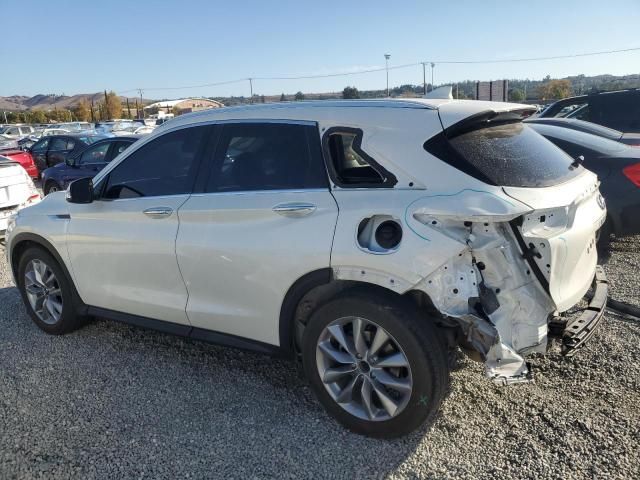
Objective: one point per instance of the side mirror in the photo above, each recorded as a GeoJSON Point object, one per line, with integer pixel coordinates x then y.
{"type": "Point", "coordinates": [80, 191]}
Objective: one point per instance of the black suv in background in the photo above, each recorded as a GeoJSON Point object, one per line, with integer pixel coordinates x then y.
{"type": "Point", "coordinates": [54, 149]}
{"type": "Point", "coordinates": [619, 110]}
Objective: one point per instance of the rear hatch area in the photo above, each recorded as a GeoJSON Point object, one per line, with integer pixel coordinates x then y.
{"type": "Point", "coordinates": [559, 235]}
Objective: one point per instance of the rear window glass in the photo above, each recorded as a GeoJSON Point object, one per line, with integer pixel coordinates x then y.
{"type": "Point", "coordinates": [513, 155]}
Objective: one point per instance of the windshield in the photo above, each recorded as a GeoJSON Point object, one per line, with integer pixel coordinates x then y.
{"type": "Point", "coordinates": [513, 155]}
{"type": "Point", "coordinates": [598, 144]}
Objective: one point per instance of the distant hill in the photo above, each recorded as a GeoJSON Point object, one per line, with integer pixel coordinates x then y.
{"type": "Point", "coordinates": [49, 102]}
{"type": "Point", "coordinates": [579, 84]}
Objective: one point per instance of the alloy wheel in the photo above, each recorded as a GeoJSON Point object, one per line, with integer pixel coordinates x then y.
{"type": "Point", "coordinates": [364, 368]}
{"type": "Point", "coordinates": [43, 291]}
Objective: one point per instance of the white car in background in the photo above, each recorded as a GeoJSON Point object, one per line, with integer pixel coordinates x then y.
{"type": "Point", "coordinates": [16, 190]}
{"type": "Point", "coordinates": [366, 239]}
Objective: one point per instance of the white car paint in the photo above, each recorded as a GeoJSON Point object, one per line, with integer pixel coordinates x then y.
{"type": "Point", "coordinates": [224, 262]}
{"type": "Point", "coordinates": [17, 190]}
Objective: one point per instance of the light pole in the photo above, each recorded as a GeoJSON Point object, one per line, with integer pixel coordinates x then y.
{"type": "Point", "coordinates": [424, 78]}
{"type": "Point", "coordinates": [386, 61]}
{"type": "Point", "coordinates": [432, 65]}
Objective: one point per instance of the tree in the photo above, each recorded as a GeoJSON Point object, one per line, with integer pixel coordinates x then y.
{"type": "Point", "coordinates": [38, 116]}
{"type": "Point", "coordinates": [83, 111]}
{"type": "Point", "coordinates": [555, 89]}
{"type": "Point", "coordinates": [262, 99]}
{"type": "Point", "coordinates": [176, 111]}
{"type": "Point", "coordinates": [350, 92]}
{"type": "Point", "coordinates": [516, 95]}
{"type": "Point", "coordinates": [299, 96]}
{"type": "Point", "coordinates": [283, 98]}
{"type": "Point", "coordinates": [111, 107]}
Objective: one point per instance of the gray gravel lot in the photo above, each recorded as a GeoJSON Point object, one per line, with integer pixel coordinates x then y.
{"type": "Point", "coordinates": [112, 401]}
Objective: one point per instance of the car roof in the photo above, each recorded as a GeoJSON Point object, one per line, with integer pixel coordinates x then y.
{"type": "Point", "coordinates": [580, 125]}
{"type": "Point", "coordinates": [451, 111]}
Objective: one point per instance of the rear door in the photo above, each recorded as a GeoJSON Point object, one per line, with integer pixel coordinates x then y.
{"type": "Point", "coordinates": [263, 219]}
{"type": "Point", "coordinates": [39, 153]}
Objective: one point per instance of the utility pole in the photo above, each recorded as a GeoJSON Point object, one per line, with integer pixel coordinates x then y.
{"type": "Point", "coordinates": [386, 61]}
{"type": "Point", "coordinates": [432, 65]}
{"type": "Point", "coordinates": [251, 89]}
{"type": "Point", "coordinates": [141, 105]}
{"type": "Point", "coordinates": [424, 78]}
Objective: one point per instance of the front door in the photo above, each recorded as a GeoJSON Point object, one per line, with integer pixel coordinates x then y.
{"type": "Point", "coordinates": [122, 245]}
{"type": "Point", "coordinates": [264, 219]}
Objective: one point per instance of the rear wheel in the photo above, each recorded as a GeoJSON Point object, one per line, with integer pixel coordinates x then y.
{"type": "Point", "coordinates": [47, 292]}
{"type": "Point", "coordinates": [375, 364]}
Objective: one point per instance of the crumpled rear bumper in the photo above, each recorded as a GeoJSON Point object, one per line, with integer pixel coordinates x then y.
{"type": "Point", "coordinates": [580, 329]}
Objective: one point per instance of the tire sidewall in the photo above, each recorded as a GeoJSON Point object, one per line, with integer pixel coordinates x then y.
{"type": "Point", "coordinates": [68, 313]}
{"type": "Point", "coordinates": [425, 398]}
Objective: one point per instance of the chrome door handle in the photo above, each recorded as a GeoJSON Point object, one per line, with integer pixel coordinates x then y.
{"type": "Point", "coordinates": [158, 212]}
{"type": "Point", "coordinates": [294, 209]}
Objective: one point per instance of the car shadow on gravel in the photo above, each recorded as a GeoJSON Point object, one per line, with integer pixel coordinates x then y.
{"type": "Point", "coordinates": [115, 400]}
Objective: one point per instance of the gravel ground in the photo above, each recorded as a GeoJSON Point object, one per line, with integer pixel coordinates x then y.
{"type": "Point", "coordinates": [112, 401]}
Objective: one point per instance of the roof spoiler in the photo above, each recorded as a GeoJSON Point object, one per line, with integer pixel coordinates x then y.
{"type": "Point", "coordinates": [487, 118]}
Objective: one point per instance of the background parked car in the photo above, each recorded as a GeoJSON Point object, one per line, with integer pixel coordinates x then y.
{"type": "Point", "coordinates": [85, 163]}
{"type": "Point", "coordinates": [619, 109]}
{"type": "Point", "coordinates": [618, 168]}
{"type": "Point", "coordinates": [589, 127]}
{"type": "Point", "coordinates": [7, 142]}
{"type": "Point", "coordinates": [23, 158]}
{"type": "Point", "coordinates": [50, 151]}
{"type": "Point", "coordinates": [18, 190]}
{"type": "Point", "coordinates": [17, 131]}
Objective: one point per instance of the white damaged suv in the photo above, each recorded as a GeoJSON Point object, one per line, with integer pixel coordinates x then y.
{"type": "Point", "coordinates": [366, 239]}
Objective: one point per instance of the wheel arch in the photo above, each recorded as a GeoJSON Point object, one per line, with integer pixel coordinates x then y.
{"type": "Point", "coordinates": [23, 241]}
{"type": "Point", "coordinates": [320, 286]}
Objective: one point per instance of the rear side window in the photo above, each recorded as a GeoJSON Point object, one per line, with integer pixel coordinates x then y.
{"type": "Point", "coordinates": [350, 165]}
{"type": "Point", "coordinates": [507, 154]}
{"type": "Point", "coordinates": [59, 144]}
{"type": "Point", "coordinates": [267, 156]}
{"type": "Point", "coordinates": [164, 166]}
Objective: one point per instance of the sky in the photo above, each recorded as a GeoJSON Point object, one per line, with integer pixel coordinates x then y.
{"type": "Point", "coordinates": [73, 46]}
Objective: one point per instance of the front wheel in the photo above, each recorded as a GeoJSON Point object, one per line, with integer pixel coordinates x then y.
{"type": "Point", "coordinates": [47, 292]}
{"type": "Point", "coordinates": [375, 364]}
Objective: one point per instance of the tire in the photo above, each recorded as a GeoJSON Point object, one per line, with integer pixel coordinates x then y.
{"type": "Point", "coordinates": [69, 318]}
{"type": "Point", "coordinates": [603, 242]}
{"type": "Point", "coordinates": [410, 334]}
{"type": "Point", "coordinates": [51, 187]}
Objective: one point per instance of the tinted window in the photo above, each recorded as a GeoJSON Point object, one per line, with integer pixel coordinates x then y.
{"type": "Point", "coordinates": [97, 154]}
{"type": "Point", "coordinates": [118, 148]}
{"type": "Point", "coordinates": [512, 154]}
{"type": "Point", "coordinates": [41, 146]}
{"type": "Point", "coordinates": [596, 143]}
{"type": "Point", "coordinates": [267, 157]}
{"type": "Point", "coordinates": [165, 166]}
{"type": "Point", "coordinates": [58, 144]}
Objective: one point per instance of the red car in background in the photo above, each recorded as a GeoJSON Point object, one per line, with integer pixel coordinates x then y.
{"type": "Point", "coordinates": [23, 158]}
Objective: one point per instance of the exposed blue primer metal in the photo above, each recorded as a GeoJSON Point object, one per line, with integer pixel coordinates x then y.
{"type": "Point", "coordinates": [406, 212]}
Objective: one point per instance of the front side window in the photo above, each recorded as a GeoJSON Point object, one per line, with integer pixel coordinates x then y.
{"type": "Point", "coordinates": [97, 154]}
{"type": "Point", "coordinates": [164, 166]}
{"type": "Point", "coordinates": [41, 146]}
{"type": "Point", "coordinates": [267, 157]}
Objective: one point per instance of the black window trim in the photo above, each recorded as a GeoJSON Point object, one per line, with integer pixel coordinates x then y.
{"type": "Point", "coordinates": [209, 167]}
{"type": "Point", "coordinates": [389, 180]}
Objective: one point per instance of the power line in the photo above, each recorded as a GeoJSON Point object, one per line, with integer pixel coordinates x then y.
{"type": "Point", "coordinates": [393, 67]}
{"type": "Point", "coordinates": [533, 59]}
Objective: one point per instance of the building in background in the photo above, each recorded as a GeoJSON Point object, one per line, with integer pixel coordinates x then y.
{"type": "Point", "coordinates": [180, 106]}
